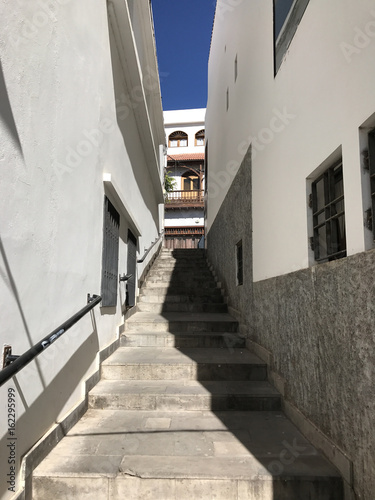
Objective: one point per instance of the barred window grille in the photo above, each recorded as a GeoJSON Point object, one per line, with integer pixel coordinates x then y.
{"type": "Point", "coordinates": [329, 239]}
{"type": "Point", "coordinates": [111, 229]}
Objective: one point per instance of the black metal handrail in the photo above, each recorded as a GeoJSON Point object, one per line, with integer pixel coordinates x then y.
{"type": "Point", "coordinates": [19, 362]}
{"type": "Point", "coordinates": [139, 261]}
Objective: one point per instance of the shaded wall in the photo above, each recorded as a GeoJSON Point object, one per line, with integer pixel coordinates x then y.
{"type": "Point", "coordinates": [318, 323]}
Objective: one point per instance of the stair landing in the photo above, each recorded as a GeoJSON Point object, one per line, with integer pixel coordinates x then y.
{"type": "Point", "coordinates": [157, 455]}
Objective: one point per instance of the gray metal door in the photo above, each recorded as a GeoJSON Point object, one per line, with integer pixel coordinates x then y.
{"type": "Point", "coordinates": [131, 269]}
{"type": "Point", "coordinates": [111, 227]}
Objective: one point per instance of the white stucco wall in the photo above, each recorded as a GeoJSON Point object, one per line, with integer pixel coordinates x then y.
{"type": "Point", "coordinates": [189, 121]}
{"type": "Point", "coordinates": [63, 146]}
{"type": "Point", "coordinates": [320, 98]}
{"type": "Point", "coordinates": [185, 217]}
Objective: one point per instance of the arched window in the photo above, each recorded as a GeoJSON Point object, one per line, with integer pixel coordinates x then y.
{"type": "Point", "coordinates": [190, 181]}
{"type": "Point", "coordinates": [178, 139]}
{"type": "Point", "coordinates": [199, 138]}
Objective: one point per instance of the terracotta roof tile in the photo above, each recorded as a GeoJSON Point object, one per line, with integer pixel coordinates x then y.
{"type": "Point", "coordinates": [186, 157]}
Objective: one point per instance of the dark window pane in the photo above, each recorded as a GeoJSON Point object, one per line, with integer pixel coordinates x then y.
{"type": "Point", "coordinates": [239, 263]}
{"type": "Point", "coordinates": [321, 218]}
{"type": "Point", "coordinates": [339, 207]}
{"type": "Point", "coordinates": [371, 159]}
{"type": "Point", "coordinates": [341, 237]}
{"type": "Point", "coordinates": [320, 195]}
{"type": "Point", "coordinates": [282, 8]}
{"type": "Point", "coordinates": [339, 186]}
{"type": "Point", "coordinates": [322, 243]}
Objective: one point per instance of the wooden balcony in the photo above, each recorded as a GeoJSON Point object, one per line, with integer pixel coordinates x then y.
{"type": "Point", "coordinates": [184, 231]}
{"type": "Point", "coordinates": [184, 199]}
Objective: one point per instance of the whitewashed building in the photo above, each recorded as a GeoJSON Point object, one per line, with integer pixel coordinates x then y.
{"type": "Point", "coordinates": [290, 131]}
{"type": "Point", "coordinates": [81, 199]}
{"type": "Point", "coordinates": [184, 207]}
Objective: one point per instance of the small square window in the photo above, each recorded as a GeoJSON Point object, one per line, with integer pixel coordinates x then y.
{"type": "Point", "coordinates": [329, 240]}
{"type": "Point", "coordinates": [371, 166]}
{"type": "Point", "coordinates": [239, 263]}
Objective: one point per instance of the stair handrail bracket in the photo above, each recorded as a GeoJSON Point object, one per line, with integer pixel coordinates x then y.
{"type": "Point", "coordinates": [17, 363]}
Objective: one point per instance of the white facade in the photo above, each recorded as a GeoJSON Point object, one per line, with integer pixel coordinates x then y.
{"type": "Point", "coordinates": [191, 122]}
{"type": "Point", "coordinates": [81, 118]}
{"type": "Point", "coordinates": [188, 218]}
{"type": "Point", "coordinates": [319, 106]}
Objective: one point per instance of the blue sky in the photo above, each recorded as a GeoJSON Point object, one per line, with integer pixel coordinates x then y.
{"type": "Point", "coordinates": [183, 34]}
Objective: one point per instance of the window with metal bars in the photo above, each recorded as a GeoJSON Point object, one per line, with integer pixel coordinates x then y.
{"type": "Point", "coordinates": [329, 240]}
{"type": "Point", "coordinates": [111, 229]}
{"type": "Point", "coordinates": [371, 165]}
{"type": "Point", "coordinates": [239, 263]}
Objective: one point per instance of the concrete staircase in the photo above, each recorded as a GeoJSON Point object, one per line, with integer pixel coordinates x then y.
{"type": "Point", "coordinates": [183, 410]}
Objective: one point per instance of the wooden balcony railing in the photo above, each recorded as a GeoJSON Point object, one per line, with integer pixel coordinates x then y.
{"type": "Point", "coordinates": [184, 231]}
{"type": "Point", "coordinates": [185, 198]}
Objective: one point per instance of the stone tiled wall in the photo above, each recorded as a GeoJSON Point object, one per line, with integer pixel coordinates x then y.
{"type": "Point", "coordinates": [234, 223]}
{"type": "Point", "coordinates": [319, 325]}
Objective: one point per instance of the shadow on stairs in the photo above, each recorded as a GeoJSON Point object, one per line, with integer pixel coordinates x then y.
{"type": "Point", "coordinates": [184, 410]}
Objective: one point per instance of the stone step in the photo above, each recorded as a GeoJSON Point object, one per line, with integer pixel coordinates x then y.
{"type": "Point", "coordinates": [191, 284]}
{"type": "Point", "coordinates": [165, 363]}
{"type": "Point", "coordinates": [183, 256]}
{"type": "Point", "coordinates": [179, 274]}
{"type": "Point", "coordinates": [181, 322]}
{"type": "Point", "coordinates": [177, 264]}
{"type": "Point", "coordinates": [181, 263]}
{"type": "Point", "coordinates": [181, 291]}
{"type": "Point", "coordinates": [210, 298]}
{"type": "Point", "coordinates": [192, 340]}
{"type": "Point", "coordinates": [171, 395]}
{"type": "Point", "coordinates": [177, 281]}
{"type": "Point", "coordinates": [185, 455]}
{"type": "Point", "coordinates": [183, 251]}
{"type": "Point", "coordinates": [182, 307]}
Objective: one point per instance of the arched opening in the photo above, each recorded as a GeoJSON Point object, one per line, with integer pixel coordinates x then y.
{"type": "Point", "coordinates": [199, 138]}
{"type": "Point", "coordinates": [178, 139]}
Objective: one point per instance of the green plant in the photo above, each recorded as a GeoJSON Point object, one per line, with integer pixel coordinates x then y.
{"type": "Point", "coordinates": [169, 182]}
{"type": "Point", "coordinates": [169, 185]}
